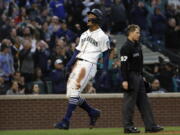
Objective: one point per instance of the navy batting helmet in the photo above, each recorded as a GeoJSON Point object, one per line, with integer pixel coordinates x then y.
{"type": "Point", "coordinates": [97, 13]}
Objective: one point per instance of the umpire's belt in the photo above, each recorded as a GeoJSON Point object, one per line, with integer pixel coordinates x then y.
{"type": "Point", "coordinates": [85, 60]}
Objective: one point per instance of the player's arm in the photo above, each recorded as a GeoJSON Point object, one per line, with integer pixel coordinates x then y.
{"type": "Point", "coordinates": [105, 60]}
{"type": "Point", "coordinates": [105, 63]}
{"type": "Point", "coordinates": [72, 60]}
{"type": "Point", "coordinates": [76, 52]}
{"type": "Point", "coordinates": [105, 46]}
{"type": "Point", "coordinates": [124, 66]}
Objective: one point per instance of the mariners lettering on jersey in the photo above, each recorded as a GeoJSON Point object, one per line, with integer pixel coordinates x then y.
{"type": "Point", "coordinates": [92, 44]}
{"type": "Point", "coordinates": [91, 40]}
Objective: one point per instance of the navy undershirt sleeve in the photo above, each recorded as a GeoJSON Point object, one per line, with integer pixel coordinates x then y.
{"type": "Point", "coordinates": [73, 58]}
{"type": "Point", "coordinates": [105, 60]}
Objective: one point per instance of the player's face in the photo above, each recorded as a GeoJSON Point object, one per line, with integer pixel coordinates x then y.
{"type": "Point", "coordinates": [136, 35]}
{"type": "Point", "coordinates": [90, 18]}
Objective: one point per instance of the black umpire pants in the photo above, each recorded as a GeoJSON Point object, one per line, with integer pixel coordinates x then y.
{"type": "Point", "coordinates": [136, 95]}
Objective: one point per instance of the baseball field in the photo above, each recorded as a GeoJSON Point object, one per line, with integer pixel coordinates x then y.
{"type": "Point", "coordinates": [85, 131]}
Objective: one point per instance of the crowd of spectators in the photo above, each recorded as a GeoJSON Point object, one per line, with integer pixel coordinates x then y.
{"type": "Point", "coordinates": [38, 37]}
{"type": "Point", "coordinates": [168, 76]}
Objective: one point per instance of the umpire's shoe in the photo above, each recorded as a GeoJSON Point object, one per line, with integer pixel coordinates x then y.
{"type": "Point", "coordinates": [131, 130]}
{"type": "Point", "coordinates": [94, 115]}
{"type": "Point", "coordinates": [154, 129]}
{"type": "Point", "coordinates": [62, 125]}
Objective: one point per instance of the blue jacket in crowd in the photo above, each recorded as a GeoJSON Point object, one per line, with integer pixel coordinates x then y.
{"type": "Point", "coordinates": [139, 17]}
{"type": "Point", "coordinates": [58, 9]}
{"type": "Point", "coordinates": [58, 81]}
{"type": "Point", "coordinates": [6, 65]}
{"type": "Point", "coordinates": [68, 34]}
{"type": "Point", "coordinates": [159, 24]}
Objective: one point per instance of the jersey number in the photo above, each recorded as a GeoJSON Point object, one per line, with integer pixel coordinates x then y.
{"type": "Point", "coordinates": [124, 58]}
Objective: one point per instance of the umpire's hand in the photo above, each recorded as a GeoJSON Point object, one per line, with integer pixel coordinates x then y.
{"type": "Point", "coordinates": [125, 85]}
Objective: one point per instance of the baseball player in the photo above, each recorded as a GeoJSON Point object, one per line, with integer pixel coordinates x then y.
{"type": "Point", "coordinates": [92, 43]}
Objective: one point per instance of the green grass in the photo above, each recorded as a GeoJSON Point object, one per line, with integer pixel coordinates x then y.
{"type": "Point", "coordinates": [95, 131]}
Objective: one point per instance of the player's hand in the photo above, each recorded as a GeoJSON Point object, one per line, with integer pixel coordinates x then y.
{"type": "Point", "coordinates": [78, 86]}
{"type": "Point", "coordinates": [125, 85]}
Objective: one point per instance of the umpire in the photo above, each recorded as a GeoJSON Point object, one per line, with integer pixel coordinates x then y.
{"type": "Point", "coordinates": [133, 84]}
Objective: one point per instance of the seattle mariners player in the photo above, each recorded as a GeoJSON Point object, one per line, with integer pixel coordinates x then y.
{"type": "Point", "coordinates": [92, 43]}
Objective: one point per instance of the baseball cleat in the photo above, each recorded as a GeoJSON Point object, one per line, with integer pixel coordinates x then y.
{"type": "Point", "coordinates": [62, 125]}
{"type": "Point", "coordinates": [94, 117]}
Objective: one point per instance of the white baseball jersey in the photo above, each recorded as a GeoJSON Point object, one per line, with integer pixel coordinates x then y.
{"type": "Point", "coordinates": [92, 44]}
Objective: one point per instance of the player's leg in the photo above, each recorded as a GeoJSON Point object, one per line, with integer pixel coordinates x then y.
{"type": "Point", "coordinates": [93, 113]}
{"type": "Point", "coordinates": [64, 124]}
{"type": "Point", "coordinates": [83, 72]}
{"type": "Point", "coordinates": [76, 83]}
{"type": "Point", "coordinates": [73, 101]}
